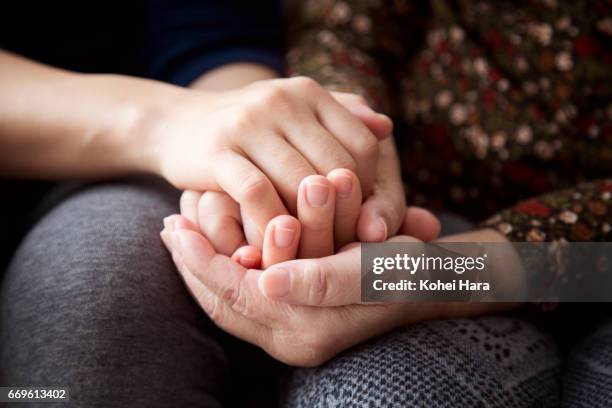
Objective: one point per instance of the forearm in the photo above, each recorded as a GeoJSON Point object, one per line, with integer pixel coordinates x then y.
{"type": "Point", "coordinates": [483, 235]}
{"type": "Point", "coordinates": [503, 271]}
{"type": "Point", "coordinates": [56, 124]}
{"type": "Point", "coordinates": [233, 76]}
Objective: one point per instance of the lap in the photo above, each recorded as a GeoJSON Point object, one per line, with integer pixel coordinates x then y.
{"type": "Point", "coordinates": [587, 381]}
{"type": "Point", "coordinates": [92, 301]}
{"type": "Point", "coordinates": [488, 361]}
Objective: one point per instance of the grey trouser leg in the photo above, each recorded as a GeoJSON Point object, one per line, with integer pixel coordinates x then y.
{"type": "Point", "coordinates": [483, 362]}
{"type": "Point", "coordinates": [93, 302]}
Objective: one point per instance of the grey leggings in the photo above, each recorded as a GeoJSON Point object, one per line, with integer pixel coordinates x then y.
{"type": "Point", "coordinates": [92, 301]}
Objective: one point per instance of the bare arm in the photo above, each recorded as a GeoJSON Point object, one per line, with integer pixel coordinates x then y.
{"type": "Point", "coordinates": [56, 124]}
{"type": "Point", "coordinates": [233, 76]}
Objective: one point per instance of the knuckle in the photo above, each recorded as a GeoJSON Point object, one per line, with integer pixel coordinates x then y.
{"type": "Point", "coordinates": [273, 95]}
{"type": "Point", "coordinates": [253, 187]}
{"type": "Point", "coordinates": [346, 162]}
{"type": "Point", "coordinates": [306, 83]}
{"type": "Point", "coordinates": [366, 146]}
{"type": "Point", "coordinates": [238, 302]}
{"type": "Point", "coordinates": [244, 118]}
{"type": "Point", "coordinates": [235, 297]}
{"type": "Point", "coordinates": [228, 295]}
{"type": "Point", "coordinates": [346, 214]}
{"type": "Point", "coordinates": [294, 172]}
{"type": "Point", "coordinates": [285, 158]}
{"type": "Point", "coordinates": [392, 213]}
{"type": "Point", "coordinates": [317, 225]}
{"type": "Point", "coordinates": [359, 99]}
{"type": "Point", "coordinates": [278, 98]}
{"type": "Point", "coordinates": [209, 200]}
{"type": "Point", "coordinates": [390, 199]}
{"type": "Point", "coordinates": [314, 275]}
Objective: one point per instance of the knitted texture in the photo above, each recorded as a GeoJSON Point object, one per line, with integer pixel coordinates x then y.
{"type": "Point", "coordinates": [484, 362]}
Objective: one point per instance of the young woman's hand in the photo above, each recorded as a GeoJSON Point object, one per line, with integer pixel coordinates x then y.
{"type": "Point", "coordinates": [259, 142]}
{"type": "Point", "coordinates": [256, 142]}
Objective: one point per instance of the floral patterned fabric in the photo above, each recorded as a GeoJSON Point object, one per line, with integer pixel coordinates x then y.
{"type": "Point", "coordinates": [503, 108]}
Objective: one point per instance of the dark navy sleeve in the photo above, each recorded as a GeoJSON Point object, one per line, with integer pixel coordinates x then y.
{"type": "Point", "coordinates": [186, 38]}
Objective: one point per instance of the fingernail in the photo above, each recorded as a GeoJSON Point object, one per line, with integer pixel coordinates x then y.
{"type": "Point", "coordinates": [283, 237]}
{"type": "Point", "coordinates": [248, 262]}
{"type": "Point", "coordinates": [383, 225]}
{"type": "Point", "coordinates": [317, 194]}
{"type": "Point", "coordinates": [344, 186]}
{"type": "Point", "coordinates": [275, 283]}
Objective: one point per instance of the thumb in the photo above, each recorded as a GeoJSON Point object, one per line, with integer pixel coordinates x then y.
{"type": "Point", "coordinates": [421, 224]}
{"type": "Point", "coordinates": [330, 281]}
{"type": "Point", "coordinates": [382, 213]}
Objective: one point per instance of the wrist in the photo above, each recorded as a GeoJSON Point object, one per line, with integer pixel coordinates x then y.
{"type": "Point", "coordinates": [140, 122]}
{"type": "Point", "coordinates": [478, 235]}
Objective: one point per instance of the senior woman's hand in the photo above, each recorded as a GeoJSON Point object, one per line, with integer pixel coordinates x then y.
{"type": "Point", "coordinates": [294, 334]}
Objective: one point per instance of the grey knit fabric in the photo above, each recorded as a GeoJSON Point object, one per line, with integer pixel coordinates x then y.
{"type": "Point", "coordinates": [588, 373]}
{"type": "Point", "coordinates": [484, 362]}
{"type": "Point", "coordinates": [92, 302]}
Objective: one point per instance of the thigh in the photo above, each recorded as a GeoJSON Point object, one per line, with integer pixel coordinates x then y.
{"type": "Point", "coordinates": [488, 361]}
{"type": "Point", "coordinates": [587, 381]}
{"type": "Point", "coordinates": [92, 301]}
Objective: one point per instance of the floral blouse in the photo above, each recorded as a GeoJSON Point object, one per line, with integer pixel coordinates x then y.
{"type": "Point", "coordinates": [503, 110]}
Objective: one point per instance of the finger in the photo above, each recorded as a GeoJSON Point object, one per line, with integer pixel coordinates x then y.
{"type": "Point", "coordinates": [356, 138]}
{"type": "Point", "coordinates": [175, 221]}
{"type": "Point", "coordinates": [281, 240]}
{"type": "Point", "coordinates": [171, 224]}
{"type": "Point", "coordinates": [380, 125]}
{"type": "Point", "coordinates": [348, 204]}
{"type": "Point", "coordinates": [233, 284]}
{"type": "Point", "coordinates": [252, 234]}
{"type": "Point", "coordinates": [383, 212]}
{"type": "Point", "coordinates": [330, 281]}
{"type": "Point", "coordinates": [189, 205]}
{"type": "Point", "coordinates": [316, 204]}
{"type": "Point", "coordinates": [247, 185]}
{"type": "Point", "coordinates": [220, 222]}
{"type": "Point", "coordinates": [321, 148]}
{"type": "Point", "coordinates": [223, 315]}
{"type": "Point", "coordinates": [285, 166]}
{"type": "Point", "coordinates": [325, 282]}
{"type": "Point", "coordinates": [248, 256]}
{"type": "Point", "coordinates": [421, 224]}
{"type": "Point", "coordinates": [215, 306]}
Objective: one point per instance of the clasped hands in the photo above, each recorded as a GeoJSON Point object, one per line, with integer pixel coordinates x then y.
{"type": "Point", "coordinates": [292, 287]}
